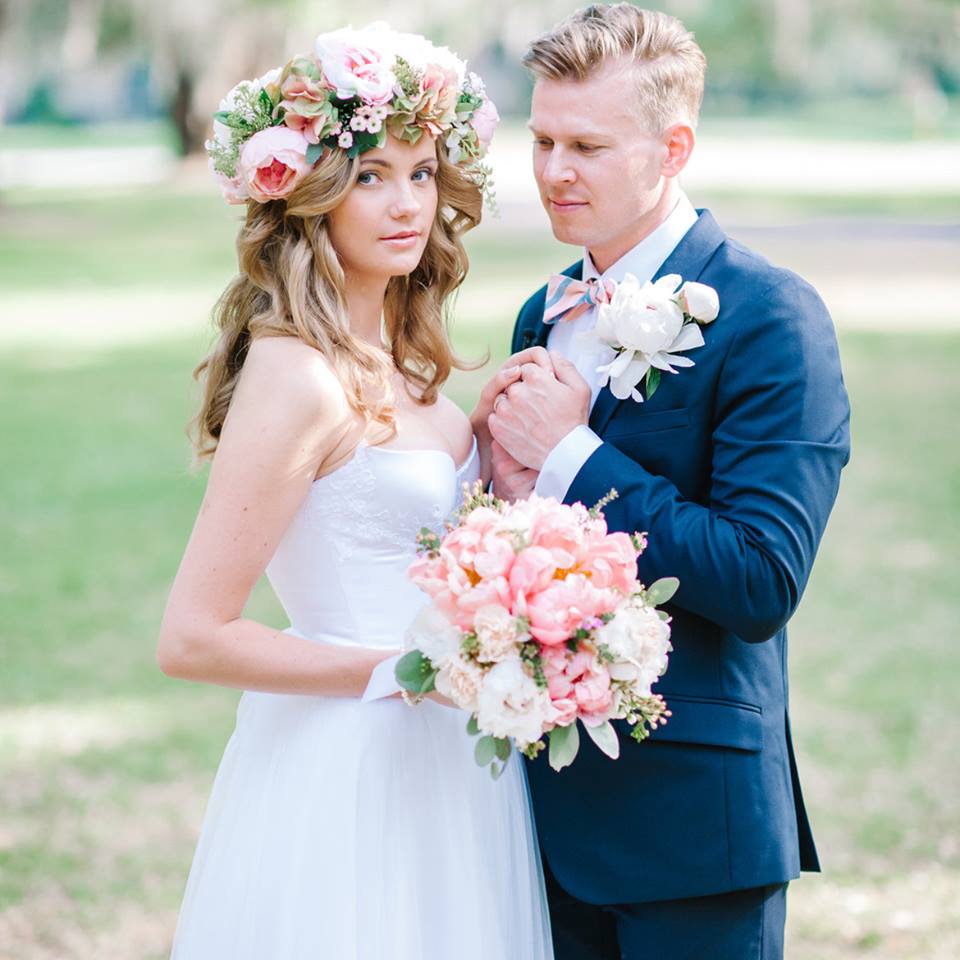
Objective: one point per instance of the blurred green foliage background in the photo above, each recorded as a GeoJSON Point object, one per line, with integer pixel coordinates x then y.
{"type": "Point", "coordinates": [829, 143]}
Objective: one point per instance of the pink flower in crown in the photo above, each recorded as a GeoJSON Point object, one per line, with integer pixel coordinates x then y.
{"type": "Point", "coordinates": [437, 104]}
{"type": "Point", "coordinates": [611, 561]}
{"type": "Point", "coordinates": [306, 100]}
{"type": "Point", "coordinates": [557, 612]}
{"type": "Point", "coordinates": [354, 67]}
{"type": "Point", "coordinates": [484, 121]}
{"type": "Point", "coordinates": [272, 162]}
{"type": "Point", "coordinates": [232, 189]}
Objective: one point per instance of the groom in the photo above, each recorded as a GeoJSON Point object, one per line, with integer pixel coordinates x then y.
{"type": "Point", "coordinates": [682, 848]}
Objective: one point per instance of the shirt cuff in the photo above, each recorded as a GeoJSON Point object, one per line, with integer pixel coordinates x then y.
{"type": "Point", "coordinates": [565, 461]}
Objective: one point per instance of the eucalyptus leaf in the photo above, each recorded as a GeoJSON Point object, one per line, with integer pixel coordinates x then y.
{"type": "Point", "coordinates": [485, 750]}
{"type": "Point", "coordinates": [605, 737]}
{"type": "Point", "coordinates": [314, 152]}
{"type": "Point", "coordinates": [503, 749]}
{"type": "Point", "coordinates": [415, 672]}
{"type": "Point", "coordinates": [660, 591]}
{"type": "Point", "coordinates": [473, 728]}
{"type": "Point", "coordinates": [564, 744]}
{"type": "Point", "coordinates": [653, 381]}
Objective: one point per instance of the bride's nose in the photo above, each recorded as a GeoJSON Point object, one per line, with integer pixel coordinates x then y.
{"type": "Point", "coordinates": [405, 203]}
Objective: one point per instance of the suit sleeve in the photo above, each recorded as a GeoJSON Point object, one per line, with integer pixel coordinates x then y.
{"type": "Point", "coordinates": [779, 441]}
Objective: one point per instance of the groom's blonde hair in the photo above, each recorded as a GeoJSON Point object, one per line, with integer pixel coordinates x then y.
{"type": "Point", "coordinates": [670, 65]}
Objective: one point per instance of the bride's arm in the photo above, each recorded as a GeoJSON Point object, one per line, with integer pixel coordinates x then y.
{"type": "Point", "coordinates": [286, 416]}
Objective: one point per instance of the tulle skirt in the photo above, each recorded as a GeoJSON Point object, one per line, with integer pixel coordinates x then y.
{"type": "Point", "coordinates": [362, 831]}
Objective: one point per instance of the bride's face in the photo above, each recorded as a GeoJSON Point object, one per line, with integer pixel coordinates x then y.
{"type": "Point", "coordinates": [381, 228]}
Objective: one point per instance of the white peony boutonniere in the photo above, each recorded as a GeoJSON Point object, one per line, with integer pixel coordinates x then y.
{"type": "Point", "coordinates": [646, 326]}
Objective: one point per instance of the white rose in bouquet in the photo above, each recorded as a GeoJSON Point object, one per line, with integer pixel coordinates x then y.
{"type": "Point", "coordinates": [640, 641]}
{"type": "Point", "coordinates": [432, 633]}
{"type": "Point", "coordinates": [459, 680]}
{"type": "Point", "coordinates": [496, 631]}
{"type": "Point", "coordinates": [511, 704]}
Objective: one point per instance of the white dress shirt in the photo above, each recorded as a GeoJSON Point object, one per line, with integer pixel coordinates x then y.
{"type": "Point", "coordinates": [566, 459]}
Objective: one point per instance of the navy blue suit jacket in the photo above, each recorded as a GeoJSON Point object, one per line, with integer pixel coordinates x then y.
{"type": "Point", "coordinates": [732, 467]}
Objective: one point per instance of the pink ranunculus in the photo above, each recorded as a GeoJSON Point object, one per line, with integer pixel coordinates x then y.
{"type": "Point", "coordinates": [564, 711]}
{"type": "Point", "coordinates": [469, 601]}
{"type": "Point", "coordinates": [592, 693]}
{"type": "Point", "coordinates": [611, 561]}
{"type": "Point", "coordinates": [555, 528]}
{"type": "Point", "coordinates": [429, 574]}
{"type": "Point", "coordinates": [532, 570]}
{"type": "Point", "coordinates": [494, 556]}
{"type": "Point", "coordinates": [272, 162]}
{"type": "Point", "coordinates": [556, 613]}
{"type": "Point", "coordinates": [484, 121]}
{"type": "Point", "coordinates": [462, 545]}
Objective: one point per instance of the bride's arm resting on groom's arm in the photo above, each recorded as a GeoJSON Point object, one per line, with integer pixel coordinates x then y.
{"type": "Point", "coordinates": [288, 417]}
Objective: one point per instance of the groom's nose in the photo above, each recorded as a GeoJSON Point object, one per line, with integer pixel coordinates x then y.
{"type": "Point", "coordinates": [557, 168]}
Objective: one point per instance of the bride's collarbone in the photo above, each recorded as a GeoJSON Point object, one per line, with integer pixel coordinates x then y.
{"type": "Point", "coordinates": [440, 426]}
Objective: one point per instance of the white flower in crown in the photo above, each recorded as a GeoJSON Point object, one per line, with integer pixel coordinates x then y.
{"type": "Point", "coordinates": [647, 326]}
{"type": "Point", "coordinates": [358, 63]}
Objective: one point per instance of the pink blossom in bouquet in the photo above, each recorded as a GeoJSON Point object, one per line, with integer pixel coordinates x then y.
{"type": "Point", "coordinates": [556, 613]}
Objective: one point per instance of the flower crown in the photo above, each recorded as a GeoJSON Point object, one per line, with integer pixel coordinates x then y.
{"type": "Point", "coordinates": [357, 86]}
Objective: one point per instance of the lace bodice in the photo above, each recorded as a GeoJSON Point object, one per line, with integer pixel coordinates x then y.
{"type": "Point", "coordinates": [340, 569]}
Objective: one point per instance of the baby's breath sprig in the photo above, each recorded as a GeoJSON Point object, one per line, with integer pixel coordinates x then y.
{"type": "Point", "coordinates": [597, 508]}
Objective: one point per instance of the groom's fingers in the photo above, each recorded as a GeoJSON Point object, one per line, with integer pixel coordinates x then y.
{"type": "Point", "coordinates": [537, 355]}
{"type": "Point", "coordinates": [568, 374]}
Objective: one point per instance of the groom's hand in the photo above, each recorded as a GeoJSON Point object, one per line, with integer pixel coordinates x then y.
{"type": "Point", "coordinates": [535, 413]}
{"type": "Point", "coordinates": [511, 480]}
{"type": "Point", "coordinates": [508, 374]}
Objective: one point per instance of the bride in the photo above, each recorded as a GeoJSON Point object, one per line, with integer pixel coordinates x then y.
{"type": "Point", "coordinates": [342, 826]}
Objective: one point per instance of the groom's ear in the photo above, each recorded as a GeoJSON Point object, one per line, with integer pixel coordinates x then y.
{"type": "Point", "coordinates": [679, 141]}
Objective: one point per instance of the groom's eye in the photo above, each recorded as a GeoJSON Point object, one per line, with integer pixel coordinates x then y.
{"type": "Point", "coordinates": [587, 148]}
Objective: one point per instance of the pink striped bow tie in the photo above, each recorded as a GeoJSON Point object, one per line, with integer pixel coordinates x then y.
{"type": "Point", "coordinates": [568, 298]}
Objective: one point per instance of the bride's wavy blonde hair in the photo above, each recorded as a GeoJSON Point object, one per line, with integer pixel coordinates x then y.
{"type": "Point", "coordinates": [291, 283]}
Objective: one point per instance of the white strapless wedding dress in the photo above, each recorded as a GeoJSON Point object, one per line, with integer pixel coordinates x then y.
{"type": "Point", "coordinates": [344, 830]}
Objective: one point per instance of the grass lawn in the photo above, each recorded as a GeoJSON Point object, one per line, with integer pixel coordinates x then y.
{"type": "Point", "coordinates": [105, 764]}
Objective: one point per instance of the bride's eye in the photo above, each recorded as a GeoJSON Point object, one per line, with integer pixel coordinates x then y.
{"type": "Point", "coordinates": [363, 178]}
{"type": "Point", "coordinates": [428, 174]}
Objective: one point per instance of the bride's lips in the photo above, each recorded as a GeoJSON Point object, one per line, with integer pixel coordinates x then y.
{"type": "Point", "coordinates": [561, 205]}
{"type": "Point", "coordinates": [402, 239]}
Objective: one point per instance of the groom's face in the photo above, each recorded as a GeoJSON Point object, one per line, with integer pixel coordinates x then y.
{"type": "Point", "coordinates": [599, 171]}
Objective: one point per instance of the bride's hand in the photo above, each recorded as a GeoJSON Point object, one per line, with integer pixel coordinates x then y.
{"type": "Point", "coordinates": [508, 374]}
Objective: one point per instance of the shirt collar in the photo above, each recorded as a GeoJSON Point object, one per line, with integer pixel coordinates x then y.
{"type": "Point", "coordinates": [646, 258]}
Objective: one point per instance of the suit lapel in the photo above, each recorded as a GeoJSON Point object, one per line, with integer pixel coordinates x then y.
{"type": "Point", "coordinates": [689, 258]}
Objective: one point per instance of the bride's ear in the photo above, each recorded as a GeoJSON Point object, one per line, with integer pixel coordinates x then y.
{"type": "Point", "coordinates": [679, 141]}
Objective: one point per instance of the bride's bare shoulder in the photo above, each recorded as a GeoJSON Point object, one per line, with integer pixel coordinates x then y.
{"type": "Point", "coordinates": [287, 371]}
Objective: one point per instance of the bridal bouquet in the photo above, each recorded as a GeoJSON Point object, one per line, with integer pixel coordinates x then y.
{"type": "Point", "coordinates": [537, 620]}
